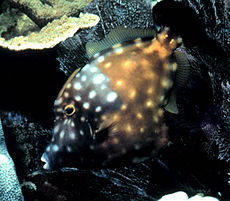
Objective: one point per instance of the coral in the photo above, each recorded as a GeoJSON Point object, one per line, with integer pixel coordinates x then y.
{"type": "Point", "coordinates": [15, 23]}
{"type": "Point", "coordinates": [42, 12]}
{"type": "Point", "coordinates": [52, 34]}
{"type": "Point", "coordinates": [181, 196]}
{"type": "Point", "coordinates": [10, 189]}
{"type": "Point", "coordinates": [19, 32]}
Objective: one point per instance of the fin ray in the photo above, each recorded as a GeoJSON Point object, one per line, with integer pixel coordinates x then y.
{"type": "Point", "coordinates": [116, 36]}
{"type": "Point", "coordinates": [181, 78]}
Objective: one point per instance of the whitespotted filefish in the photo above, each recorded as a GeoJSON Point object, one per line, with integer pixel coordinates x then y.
{"type": "Point", "coordinates": [111, 110]}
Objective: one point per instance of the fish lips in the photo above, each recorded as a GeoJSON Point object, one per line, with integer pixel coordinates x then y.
{"type": "Point", "coordinates": [86, 159]}
{"type": "Point", "coordinates": [81, 152]}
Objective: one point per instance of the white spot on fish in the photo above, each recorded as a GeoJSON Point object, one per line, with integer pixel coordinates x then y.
{"type": "Point", "coordinates": [58, 101]}
{"type": "Point", "coordinates": [66, 94]}
{"type": "Point", "coordinates": [96, 55]}
{"type": "Point", "coordinates": [92, 94]}
{"type": "Point", "coordinates": [84, 68]}
{"type": "Point", "coordinates": [119, 50]}
{"type": "Point", "coordinates": [100, 59]}
{"type": "Point", "coordinates": [72, 136]}
{"type": "Point", "coordinates": [69, 149]}
{"type": "Point", "coordinates": [68, 86]}
{"type": "Point", "coordinates": [69, 121]}
{"type": "Point", "coordinates": [82, 119]}
{"type": "Point", "coordinates": [65, 121]}
{"type": "Point", "coordinates": [78, 75]}
{"type": "Point", "coordinates": [86, 105]}
{"type": "Point", "coordinates": [83, 78]}
{"type": "Point", "coordinates": [162, 98]}
{"type": "Point", "coordinates": [98, 79]}
{"type": "Point", "coordinates": [81, 132]}
{"type": "Point", "coordinates": [55, 148]}
{"type": "Point", "coordinates": [62, 133]}
{"type": "Point", "coordinates": [77, 98]}
{"type": "Point", "coordinates": [56, 128]}
{"type": "Point", "coordinates": [48, 149]}
{"type": "Point", "coordinates": [77, 85]}
{"type": "Point", "coordinates": [111, 96]}
{"type": "Point", "coordinates": [103, 87]}
{"type": "Point", "coordinates": [98, 109]}
{"type": "Point", "coordinates": [72, 124]}
{"type": "Point", "coordinates": [137, 146]}
{"type": "Point", "coordinates": [93, 69]}
{"type": "Point", "coordinates": [91, 147]}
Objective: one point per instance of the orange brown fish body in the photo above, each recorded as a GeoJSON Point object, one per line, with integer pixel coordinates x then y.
{"type": "Point", "coordinates": [110, 110]}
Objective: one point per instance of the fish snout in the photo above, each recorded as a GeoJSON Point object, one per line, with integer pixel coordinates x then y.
{"type": "Point", "coordinates": [45, 159]}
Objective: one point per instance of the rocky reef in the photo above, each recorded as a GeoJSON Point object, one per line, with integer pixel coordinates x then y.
{"type": "Point", "coordinates": [197, 158]}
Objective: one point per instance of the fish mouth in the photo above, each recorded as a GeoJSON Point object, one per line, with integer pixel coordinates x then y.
{"type": "Point", "coordinates": [51, 162]}
{"type": "Point", "coordinates": [45, 159]}
{"type": "Point", "coordinates": [80, 150]}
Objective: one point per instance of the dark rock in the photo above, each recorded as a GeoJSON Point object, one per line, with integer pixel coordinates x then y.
{"type": "Point", "coordinates": [205, 31]}
{"type": "Point", "coordinates": [25, 140]}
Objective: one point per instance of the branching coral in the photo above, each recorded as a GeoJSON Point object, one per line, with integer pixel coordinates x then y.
{"type": "Point", "coordinates": [42, 13]}
{"type": "Point", "coordinates": [9, 186]}
{"type": "Point", "coordinates": [52, 34]}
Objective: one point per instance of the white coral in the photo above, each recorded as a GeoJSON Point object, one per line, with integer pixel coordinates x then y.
{"type": "Point", "coordinates": [10, 189]}
{"type": "Point", "coordinates": [182, 196]}
{"type": "Point", "coordinates": [53, 33]}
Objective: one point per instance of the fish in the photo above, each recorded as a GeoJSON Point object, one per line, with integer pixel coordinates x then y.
{"type": "Point", "coordinates": [110, 111]}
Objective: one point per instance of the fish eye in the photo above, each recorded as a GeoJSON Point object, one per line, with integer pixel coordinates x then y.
{"type": "Point", "coordinates": [69, 110]}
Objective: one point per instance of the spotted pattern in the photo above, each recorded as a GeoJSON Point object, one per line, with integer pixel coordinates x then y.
{"type": "Point", "coordinates": [122, 90]}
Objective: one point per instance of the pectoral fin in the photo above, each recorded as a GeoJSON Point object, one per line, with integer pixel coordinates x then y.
{"type": "Point", "coordinates": [180, 81]}
{"type": "Point", "coordinates": [172, 105]}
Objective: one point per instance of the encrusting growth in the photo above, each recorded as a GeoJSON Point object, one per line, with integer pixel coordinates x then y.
{"type": "Point", "coordinates": [52, 34]}
{"type": "Point", "coordinates": [38, 25]}
{"type": "Point", "coordinates": [42, 13]}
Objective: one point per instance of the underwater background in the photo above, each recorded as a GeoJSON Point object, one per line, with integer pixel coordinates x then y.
{"type": "Point", "coordinates": [43, 42]}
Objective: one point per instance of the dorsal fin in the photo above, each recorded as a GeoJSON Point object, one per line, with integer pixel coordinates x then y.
{"type": "Point", "coordinates": [116, 36]}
